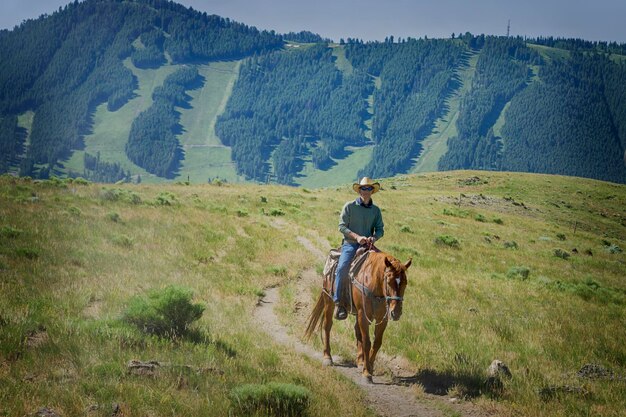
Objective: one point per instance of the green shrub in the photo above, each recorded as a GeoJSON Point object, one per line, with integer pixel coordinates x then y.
{"type": "Point", "coordinates": [75, 211]}
{"type": "Point", "coordinates": [455, 212]}
{"type": "Point", "coordinates": [119, 194]}
{"type": "Point", "coordinates": [81, 181]}
{"type": "Point", "coordinates": [480, 218]}
{"type": "Point", "coordinates": [405, 229]}
{"type": "Point", "coordinates": [498, 220]}
{"type": "Point", "coordinates": [614, 249]}
{"type": "Point", "coordinates": [278, 270]}
{"type": "Point", "coordinates": [27, 253]}
{"type": "Point", "coordinates": [166, 199]}
{"type": "Point", "coordinates": [561, 236]}
{"type": "Point", "coordinates": [242, 213]}
{"type": "Point", "coordinates": [511, 244]}
{"type": "Point", "coordinates": [447, 240]}
{"type": "Point", "coordinates": [10, 232]}
{"type": "Point", "coordinates": [114, 217]}
{"type": "Point", "coordinates": [560, 253]}
{"type": "Point", "coordinates": [123, 241]}
{"type": "Point", "coordinates": [167, 312]}
{"type": "Point", "coordinates": [276, 212]}
{"type": "Point", "coordinates": [518, 272]}
{"type": "Point", "coordinates": [273, 399]}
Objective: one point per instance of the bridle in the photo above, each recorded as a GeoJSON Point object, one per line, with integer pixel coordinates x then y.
{"type": "Point", "coordinates": [366, 292]}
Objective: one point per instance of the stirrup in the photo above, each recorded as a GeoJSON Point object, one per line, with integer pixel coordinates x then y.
{"type": "Point", "coordinates": [340, 312]}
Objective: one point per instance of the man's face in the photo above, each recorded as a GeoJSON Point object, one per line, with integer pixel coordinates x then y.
{"type": "Point", "coordinates": [366, 193]}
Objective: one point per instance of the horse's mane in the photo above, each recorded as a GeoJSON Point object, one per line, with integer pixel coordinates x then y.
{"type": "Point", "coordinates": [376, 263]}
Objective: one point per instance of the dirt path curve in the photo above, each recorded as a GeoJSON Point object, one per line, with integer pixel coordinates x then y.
{"type": "Point", "coordinates": [386, 398]}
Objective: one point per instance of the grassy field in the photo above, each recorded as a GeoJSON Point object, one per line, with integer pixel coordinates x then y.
{"type": "Point", "coordinates": [111, 129]}
{"type": "Point", "coordinates": [205, 156]}
{"type": "Point", "coordinates": [24, 121]}
{"type": "Point", "coordinates": [435, 145]}
{"type": "Point", "coordinates": [536, 279]}
{"type": "Point", "coordinates": [358, 156]}
{"type": "Point", "coordinates": [341, 62]}
{"type": "Point", "coordinates": [550, 53]}
{"type": "Point", "coordinates": [344, 168]}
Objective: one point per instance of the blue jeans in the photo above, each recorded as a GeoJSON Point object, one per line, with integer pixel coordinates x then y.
{"type": "Point", "coordinates": [348, 250]}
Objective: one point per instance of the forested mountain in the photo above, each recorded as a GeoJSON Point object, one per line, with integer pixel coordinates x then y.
{"type": "Point", "coordinates": [298, 104]}
{"type": "Point", "coordinates": [65, 64]}
{"type": "Point", "coordinates": [288, 103]}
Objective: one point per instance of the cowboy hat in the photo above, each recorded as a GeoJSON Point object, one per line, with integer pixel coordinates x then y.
{"type": "Point", "coordinates": [365, 181]}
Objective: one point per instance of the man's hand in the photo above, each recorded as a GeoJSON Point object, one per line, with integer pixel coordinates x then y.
{"type": "Point", "coordinates": [362, 240]}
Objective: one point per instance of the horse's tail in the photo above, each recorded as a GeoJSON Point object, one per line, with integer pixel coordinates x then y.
{"type": "Point", "coordinates": [314, 318]}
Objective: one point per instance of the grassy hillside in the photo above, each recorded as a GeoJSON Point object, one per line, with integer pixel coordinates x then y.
{"type": "Point", "coordinates": [111, 129]}
{"type": "Point", "coordinates": [72, 256]}
{"type": "Point", "coordinates": [435, 145]}
{"type": "Point", "coordinates": [205, 156]}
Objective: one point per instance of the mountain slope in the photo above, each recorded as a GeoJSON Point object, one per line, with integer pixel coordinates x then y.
{"type": "Point", "coordinates": [296, 113]}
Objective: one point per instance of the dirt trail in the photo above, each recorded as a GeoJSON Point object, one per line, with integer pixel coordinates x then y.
{"type": "Point", "coordinates": [385, 396]}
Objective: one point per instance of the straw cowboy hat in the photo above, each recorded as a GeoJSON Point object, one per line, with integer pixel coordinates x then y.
{"type": "Point", "coordinates": [365, 181]}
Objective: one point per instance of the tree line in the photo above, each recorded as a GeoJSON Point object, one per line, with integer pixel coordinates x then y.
{"type": "Point", "coordinates": [152, 142]}
{"type": "Point", "coordinates": [502, 70]}
{"type": "Point", "coordinates": [572, 122]}
{"type": "Point", "coordinates": [285, 106]}
{"type": "Point", "coordinates": [74, 62]}
{"type": "Point", "coordinates": [416, 77]}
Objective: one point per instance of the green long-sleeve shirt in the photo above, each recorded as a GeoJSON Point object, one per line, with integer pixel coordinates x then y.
{"type": "Point", "coordinates": [363, 220]}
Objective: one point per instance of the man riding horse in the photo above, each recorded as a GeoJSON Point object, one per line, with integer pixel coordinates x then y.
{"type": "Point", "coordinates": [361, 223]}
{"type": "Point", "coordinates": [377, 289]}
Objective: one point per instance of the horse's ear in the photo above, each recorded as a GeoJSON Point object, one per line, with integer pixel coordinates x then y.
{"type": "Point", "coordinates": [388, 262]}
{"type": "Point", "coordinates": [408, 264]}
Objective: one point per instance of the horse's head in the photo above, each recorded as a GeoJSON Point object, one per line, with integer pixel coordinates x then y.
{"type": "Point", "coordinates": [395, 284]}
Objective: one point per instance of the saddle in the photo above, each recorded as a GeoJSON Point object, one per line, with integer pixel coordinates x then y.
{"type": "Point", "coordinates": [330, 270]}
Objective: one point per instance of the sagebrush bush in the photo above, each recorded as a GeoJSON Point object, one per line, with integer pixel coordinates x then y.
{"type": "Point", "coordinates": [273, 399]}
{"type": "Point", "coordinates": [123, 241]}
{"type": "Point", "coordinates": [10, 232]}
{"type": "Point", "coordinates": [114, 217]}
{"type": "Point", "coordinates": [447, 240]}
{"type": "Point", "coordinates": [166, 199]}
{"type": "Point", "coordinates": [166, 312]}
{"type": "Point", "coordinates": [518, 272]}
{"type": "Point", "coordinates": [560, 253]}
{"type": "Point", "coordinates": [276, 212]}
{"type": "Point", "coordinates": [119, 194]}
{"type": "Point", "coordinates": [511, 244]}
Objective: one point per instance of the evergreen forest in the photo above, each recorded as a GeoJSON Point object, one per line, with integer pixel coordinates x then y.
{"type": "Point", "coordinates": [300, 103]}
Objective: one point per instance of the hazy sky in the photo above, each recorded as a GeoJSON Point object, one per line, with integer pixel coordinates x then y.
{"type": "Point", "coordinates": [376, 19]}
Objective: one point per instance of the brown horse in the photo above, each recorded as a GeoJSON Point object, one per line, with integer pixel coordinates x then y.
{"type": "Point", "coordinates": [377, 294]}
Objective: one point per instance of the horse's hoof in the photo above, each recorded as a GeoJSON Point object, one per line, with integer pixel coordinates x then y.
{"type": "Point", "coordinates": [367, 379]}
{"type": "Point", "coordinates": [327, 362]}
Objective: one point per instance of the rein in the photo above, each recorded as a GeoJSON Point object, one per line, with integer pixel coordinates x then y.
{"type": "Point", "coordinates": [366, 292]}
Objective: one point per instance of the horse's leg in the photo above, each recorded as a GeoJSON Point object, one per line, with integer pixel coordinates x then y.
{"type": "Point", "coordinates": [359, 345]}
{"type": "Point", "coordinates": [329, 307]}
{"type": "Point", "coordinates": [379, 330]}
{"type": "Point", "coordinates": [366, 343]}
